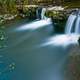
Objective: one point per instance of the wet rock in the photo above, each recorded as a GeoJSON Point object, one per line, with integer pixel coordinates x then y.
{"type": "Point", "coordinates": [73, 64]}
{"type": "Point", "coordinates": [79, 41]}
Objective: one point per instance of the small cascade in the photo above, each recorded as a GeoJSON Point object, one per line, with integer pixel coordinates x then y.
{"type": "Point", "coordinates": [69, 24]}
{"type": "Point", "coordinates": [73, 23]}
{"type": "Point", "coordinates": [43, 13]}
{"type": "Point", "coordinates": [40, 13]}
{"type": "Point", "coordinates": [77, 26]}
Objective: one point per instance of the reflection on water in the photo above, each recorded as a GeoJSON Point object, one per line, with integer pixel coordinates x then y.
{"type": "Point", "coordinates": [37, 63]}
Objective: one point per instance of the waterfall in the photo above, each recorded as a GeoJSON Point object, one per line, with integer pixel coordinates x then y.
{"type": "Point", "coordinates": [77, 26]}
{"type": "Point", "coordinates": [43, 13]}
{"type": "Point", "coordinates": [73, 23]}
{"type": "Point", "coordinates": [40, 13]}
{"type": "Point", "coordinates": [69, 24]}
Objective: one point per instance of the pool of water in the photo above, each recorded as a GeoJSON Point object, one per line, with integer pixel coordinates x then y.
{"type": "Point", "coordinates": [34, 53]}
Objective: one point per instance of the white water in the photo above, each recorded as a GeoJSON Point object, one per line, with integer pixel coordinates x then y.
{"type": "Point", "coordinates": [35, 25]}
{"type": "Point", "coordinates": [77, 27]}
{"type": "Point", "coordinates": [40, 13]}
{"type": "Point", "coordinates": [69, 24]}
{"type": "Point", "coordinates": [61, 40]}
{"type": "Point", "coordinates": [73, 24]}
{"type": "Point", "coordinates": [43, 13]}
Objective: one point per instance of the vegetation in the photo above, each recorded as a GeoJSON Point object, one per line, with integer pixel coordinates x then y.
{"type": "Point", "coordinates": [9, 9]}
{"type": "Point", "coordinates": [8, 6]}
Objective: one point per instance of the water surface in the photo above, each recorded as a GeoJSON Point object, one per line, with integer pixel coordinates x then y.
{"type": "Point", "coordinates": [35, 51]}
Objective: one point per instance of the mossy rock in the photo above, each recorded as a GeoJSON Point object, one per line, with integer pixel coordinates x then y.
{"type": "Point", "coordinates": [56, 14]}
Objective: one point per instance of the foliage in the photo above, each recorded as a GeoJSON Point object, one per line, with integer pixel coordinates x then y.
{"type": "Point", "coordinates": [8, 6]}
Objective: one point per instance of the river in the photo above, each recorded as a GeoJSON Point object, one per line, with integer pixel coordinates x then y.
{"type": "Point", "coordinates": [35, 57]}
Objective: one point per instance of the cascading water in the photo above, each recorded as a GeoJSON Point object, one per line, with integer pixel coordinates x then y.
{"type": "Point", "coordinates": [40, 13]}
{"type": "Point", "coordinates": [77, 26]}
{"type": "Point", "coordinates": [43, 13]}
{"type": "Point", "coordinates": [73, 23]}
{"type": "Point", "coordinates": [70, 23]}
{"type": "Point", "coordinates": [72, 31]}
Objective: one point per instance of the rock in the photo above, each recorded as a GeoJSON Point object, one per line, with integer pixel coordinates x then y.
{"type": "Point", "coordinates": [73, 64]}
{"type": "Point", "coordinates": [79, 41]}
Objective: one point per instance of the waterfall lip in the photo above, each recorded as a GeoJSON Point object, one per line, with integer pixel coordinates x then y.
{"type": "Point", "coordinates": [76, 12]}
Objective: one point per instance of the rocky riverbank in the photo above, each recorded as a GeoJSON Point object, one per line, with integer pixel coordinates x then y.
{"type": "Point", "coordinates": [72, 67]}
